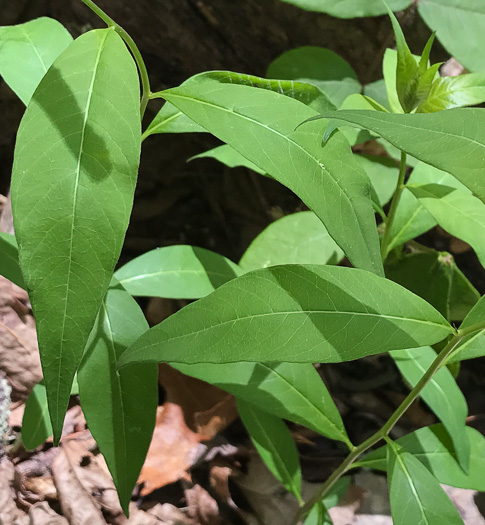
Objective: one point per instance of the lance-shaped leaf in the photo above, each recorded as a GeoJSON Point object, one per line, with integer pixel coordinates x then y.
{"type": "Point", "coordinates": [433, 447]}
{"type": "Point", "coordinates": [345, 9]}
{"type": "Point", "coordinates": [453, 140]}
{"type": "Point", "coordinates": [9, 259]}
{"type": "Point", "coordinates": [299, 238]}
{"type": "Point", "coordinates": [177, 272]}
{"type": "Point", "coordinates": [294, 313]}
{"type": "Point", "coordinates": [441, 394]}
{"type": "Point", "coordinates": [458, 212]}
{"type": "Point", "coordinates": [318, 66]}
{"type": "Point", "coordinates": [28, 50]}
{"type": "Point", "coordinates": [275, 445]}
{"type": "Point", "coordinates": [120, 407]}
{"type": "Point", "coordinates": [261, 125]}
{"type": "Point", "coordinates": [74, 173]}
{"type": "Point", "coordinates": [476, 315]}
{"type": "Point", "coordinates": [452, 18]}
{"type": "Point", "coordinates": [383, 173]}
{"type": "Point", "coordinates": [292, 391]}
{"type": "Point", "coordinates": [470, 347]}
{"type": "Point", "coordinates": [171, 120]}
{"type": "Point", "coordinates": [416, 495]}
{"type": "Point", "coordinates": [435, 277]}
{"type": "Point", "coordinates": [228, 156]}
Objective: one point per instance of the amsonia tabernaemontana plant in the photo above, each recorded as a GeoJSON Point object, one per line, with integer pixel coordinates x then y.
{"type": "Point", "coordinates": [257, 326]}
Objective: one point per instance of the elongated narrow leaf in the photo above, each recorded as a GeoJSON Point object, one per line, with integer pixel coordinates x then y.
{"type": "Point", "coordinates": [297, 314]}
{"type": "Point", "coordinates": [412, 218]}
{"type": "Point", "coordinates": [228, 156]}
{"type": "Point", "coordinates": [389, 68]}
{"type": "Point", "coordinates": [292, 391]}
{"type": "Point", "coordinates": [171, 120]}
{"type": "Point", "coordinates": [416, 496]}
{"type": "Point", "coordinates": [354, 9]}
{"type": "Point", "coordinates": [177, 272]}
{"type": "Point", "coordinates": [435, 277]}
{"type": "Point", "coordinates": [433, 447]}
{"type": "Point", "coordinates": [261, 125]}
{"type": "Point", "coordinates": [441, 394]}
{"type": "Point", "coordinates": [452, 140]}
{"type": "Point", "coordinates": [27, 51]}
{"type": "Point", "coordinates": [318, 66]}
{"type": "Point", "coordinates": [74, 174]}
{"type": "Point", "coordinates": [471, 347]}
{"type": "Point", "coordinates": [459, 27]}
{"type": "Point", "coordinates": [275, 445]}
{"type": "Point", "coordinates": [476, 315]}
{"type": "Point", "coordinates": [299, 238]}
{"type": "Point", "coordinates": [458, 212]}
{"type": "Point", "coordinates": [383, 174]}
{"type": "Point", "coordinates": [9, 259]}
{"type": "Point", "coordinates": [120, 407]}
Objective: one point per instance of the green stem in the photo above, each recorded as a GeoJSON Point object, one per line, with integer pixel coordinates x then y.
{"type": "Point", "coordinates": [382, 433]}
{"type": "Point", "coordinates": [394, 204]}
{"type": "Point", "coordinates": [145, 82]}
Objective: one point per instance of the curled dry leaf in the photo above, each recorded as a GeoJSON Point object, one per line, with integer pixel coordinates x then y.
{"type": "Point", "coordinates": [9, 513]}
{"type": "Point", "coordinates": [172, 451]}
{"type": "Point", "coordinates": [42, 514]}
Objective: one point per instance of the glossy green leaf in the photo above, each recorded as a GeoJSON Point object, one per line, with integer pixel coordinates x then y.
{"type": "Point", "coordinates": [452, 140]}
{"type": "Point", "coordinates": [176, 272]}
{"type": "Point", "coordinates": [74, 174]}
{"type": "Point", "coordinates": [389, 67]}
{"type": "Point", "coordinates": [320, 67]}
{"type": "Point", "coordinates": [171, 120]}
{"type": "Point", "coordinates": [349, 9]}
{"type": "Point", "coordinates": [416, 495]}
{"type": "Point", "coordinates": [471, 347]}
{"type": "Point", "coordinates": [9, 259]}
{"type": "Point", "coordinates": [476, 315]}
{"type": "Point", "coordinates": [228, 156]}
{"type": "Point", "coordinates": [459, 27]}
{"type": "Point", "coordinates": [261, 125]}
{"type": "Point", "coordinates": [318, 516]}
{"type": "Point", "coordinates": [435, 277]}
{"type": "Point", "coordinates": [441, 394]}
{"type": "Point", "coordinates": [27, 51]}
{"type": "Point", "coordinates": [36, 425]}
{"type": "Point", "coordinates": [297, 314]}
{"type": "Point", "coordinates": [453, 92]}
{"type": "Point", "coordinates": [293, 391]}
{"type": "Point", "coordinates": [275, 445]}
{"type": "Point", "coordinates": [412, 218]}
{"type": "Point", "coordinates": [433, 447]}
{"type": "Point", "coordinates": [457, 211]}
{"type": "Point", "coordinates": [383, 173]}
{"type": "Point", "coordinates": [299, 238]}
{"type": "Point", "coordinates": [119, 406]}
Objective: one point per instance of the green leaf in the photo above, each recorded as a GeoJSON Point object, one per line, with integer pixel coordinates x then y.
{"type": "Point", "coordinates": [228, 156]}
{"type": "Point", "coordinates": [293, 391]}
{"type": "Point", "coordinates": [441, 394]}
{"type": "Point", "coordinates": [457, 211]}
{"type": "Point", "coordinates": [261, 125]}
{"type": "Point", "coordinates": [74, 174]}
{"type": "Point", "coordinates": [28, 50]}
{"type": "Point", "coordinates": [345, 9]}
{"type": "Point", "coordinates": [171, 120]}
{"type": "Point", "coordinates": [389, 68]}
{"type": "Point", "coordinates": [383, 174]}
{"type": "Point", "coordinates": [435, 277]}
{"type": "Point", "coordinates": [176, 272]}
{"type": "Point", "coordinates": [459, 27]}
{"type": "Point", "coordinates": [470, 347]}
{"type": "Point", "coordinates": [36, 425]}
{"type": "Point", "coordinates": [319, 515]}
{"type": "Point", "coordinates": [433, 447]}
{"type": "Point", "coordinates": [416, 496]}
{"type": "Point", "coordinates": [412, 219]}
{"type": "Point", "coordinates": [120, 407]}
{"type": "Point", "coordinates": [297, 314]}
{"type": "Point", "coordinates": [9, 259]}
{"type": "Point", "coordinates": [475, 316]}
{"type": "Point", "coordinates": [275, 445]}
{"type": "Point", "coordinates": [377, 91]}
{"type": "Point", "coordinates": [299, 238]}
{"type": "Point", "coordinates": [320, 67]}
{"type": "Point", "coordinates": [452, 140]}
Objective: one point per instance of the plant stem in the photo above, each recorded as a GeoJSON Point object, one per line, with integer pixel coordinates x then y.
{"type": "Point", "coordinates": [382, 433]}
{"type": "Point", "coordinates": [145, 82]}
{"type": "Point", "coordinates": [392, 212]}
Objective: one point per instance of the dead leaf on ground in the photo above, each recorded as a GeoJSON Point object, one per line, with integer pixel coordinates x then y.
{"type": "Point", "coordinates": [9, 512]}
{"type": "Point", "coordinates": [207, 409]}
{"type": "Point", "coordinates": [172, 451]}
{"type": "Point", "coordinates": [42, 514]}
{"type": "Point", "coordinates": [202, 506]}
